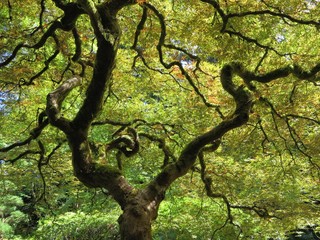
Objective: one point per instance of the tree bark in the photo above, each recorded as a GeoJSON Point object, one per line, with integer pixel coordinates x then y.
{"type": "Point", "coordinates": [141, 209]}
{"type": "Point", "coordinates": [135, 223]}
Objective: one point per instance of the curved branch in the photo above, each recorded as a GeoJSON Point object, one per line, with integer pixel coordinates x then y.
{"type": "Point", "coordinates": [10, 10]}
{"type": "Point", "coordinates": [43, 9]}
{"type": "Point", "coordinates": [161, 43]}
{"type": "Point", "coordinates": [162, 145]}
{"type": "Point", "coordinates": [107, 32]}
{"type": "Point", "coordinates": [116, 5]}
{"type": "Point", "coordinates": [46, 62]}
{"type": "Point", "coordinates": [78, 44]}
{"type": "Point", "coordinates": [127, 144]}
{"type": "Point", "coordinates": [34, 134]}
{"type": "Point", "coordinates": [254, 41]}
{"type": "Point", "coordinates": [277, 14]}
{"type": "Point", "coordinates": [85, 169]}
{"type": "Point", "coordinates": [208, 186]}
{"type": "Point", "coordinates": [206, 179]}
{"type": "Point", "coordinates": [140, 28]}
{"type": "Point", "coordinates": [282, 72]}
{"type": "Point", "coordinates": [217, 7]}
{"type": "Point", "coordinates": [21, 155]}
{"type": "Point", "coordinates": [12, 56]}
{"type": "Point", "coordinates": [54, 102]}
{"type": "Point", "coordinates": [238, 118]}
{"type": "Point", "coordinates": [71, 13]}
{"type": "Point", "coordinates": [189, 154]}
{"type": "Point", "coordinates": [49, 33]}
{"type": "Point", "coordinates": [231, 31]}
{"type": "Point", "coordinates": [297, 141]}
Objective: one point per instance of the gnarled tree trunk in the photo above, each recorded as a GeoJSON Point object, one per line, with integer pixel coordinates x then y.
{"type": "Point", "coordinates": [139, 207]}
{"type": "Point", "coordinates": [138, 213]}
{"type": "Point", "coordinates": [135, 222]}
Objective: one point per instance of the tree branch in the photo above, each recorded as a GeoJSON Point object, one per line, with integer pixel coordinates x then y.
{"type": "Point", "coordinates": [161, 43]}
{"type": "Point", "coordinates": [238, 118]}
{"type": "Point", "coordinates": [54, 103]}
{"type": "Point", "coordinates": [140, 28]}
{"type": "Point", "coordinates": [34, 134]}
{"type": "Point", "coordinates": [128, 144]}
{"type": "Point", "coordinates": [78, 44]}
{"type": "Point", "coordinates": [277, 14]}
{"type": "Point", "coordinates": [231, 31]}
{"type": "Point", "coordinates": [162, 145]}
{"type": "Point", "coordinates": [71, 13]}
{"type": "Point", "coordinates": [107, 32]}
{"type": "Point", "coordinates": [189, 154]}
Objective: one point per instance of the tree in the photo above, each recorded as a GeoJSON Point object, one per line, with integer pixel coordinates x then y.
{"type": "Point", "coordinates": [192, 78]}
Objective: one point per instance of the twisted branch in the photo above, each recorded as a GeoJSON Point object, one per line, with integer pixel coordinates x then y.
{"type": "Point", "coordinates": [162, 145]}
{"type": "Point", "coordinates": [161, 43]}
{"type": "Point", "coordinates": [54, 103]}
{"type": "Point", "coordinates": [232, 32]}
{"type": "Point", "coordinates": [190, 153]}
{"type": "Point", "coordinates": [34, 134]}
{"type": "Point", "coordinates": [127, 144]}
{"type": "Point", "coordinates": [71, 13]}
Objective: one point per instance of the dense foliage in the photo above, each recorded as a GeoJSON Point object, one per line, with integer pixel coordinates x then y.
{"type": "Point", "coordinates": [202, 118]}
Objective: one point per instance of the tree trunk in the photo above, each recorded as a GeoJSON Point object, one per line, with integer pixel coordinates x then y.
{"type": "Point", "coordinates": [135, 223]}
{"type": "Point", "coordinates": [140, 210]}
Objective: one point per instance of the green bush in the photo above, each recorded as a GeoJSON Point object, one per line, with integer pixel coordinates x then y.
{"type": "Point", "coordinates": [78, 226]}
{"type": "Point", "coordinates": [10, 214]}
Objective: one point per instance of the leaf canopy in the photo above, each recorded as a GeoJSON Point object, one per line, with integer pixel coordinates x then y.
{"type": "Point", "coordinates": [169, 84]}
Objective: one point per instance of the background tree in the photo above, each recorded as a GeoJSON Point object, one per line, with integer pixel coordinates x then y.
{"type": "Point", "coordinates": [145, 92]}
